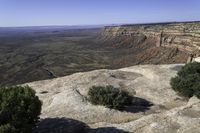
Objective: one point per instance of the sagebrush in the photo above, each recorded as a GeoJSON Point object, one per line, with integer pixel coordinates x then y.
{"type": "Point", "coordinates": [109, 96]}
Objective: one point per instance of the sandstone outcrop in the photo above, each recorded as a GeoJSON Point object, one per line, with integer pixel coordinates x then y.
{"type": "Point", "coordinates": [159, 108]}
{"type": "Point", "coordinates": [184, 36]}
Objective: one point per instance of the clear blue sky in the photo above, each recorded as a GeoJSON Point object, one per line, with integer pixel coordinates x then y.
{"type": "Point", "coordinates": [84, 12]}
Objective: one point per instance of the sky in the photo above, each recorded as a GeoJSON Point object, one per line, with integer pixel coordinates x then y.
{"type": "Point", "coordinates": [93, 12]}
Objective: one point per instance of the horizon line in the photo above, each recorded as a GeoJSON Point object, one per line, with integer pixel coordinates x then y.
{"type": "Point", "coordinates": [113, 24]}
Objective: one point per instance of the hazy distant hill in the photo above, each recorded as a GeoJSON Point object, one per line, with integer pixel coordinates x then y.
{"type": "Point", "coordinates": [47, 28]}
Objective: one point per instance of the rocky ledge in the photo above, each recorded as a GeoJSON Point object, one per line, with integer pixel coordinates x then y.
{"type": "Point", "coordinates": [184, 36]}
{"type": "Point", "coordinates": [159, 108]}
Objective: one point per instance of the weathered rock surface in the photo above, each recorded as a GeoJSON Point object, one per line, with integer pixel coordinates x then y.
{"type": "Point", "coordinates": [184, 36]}
{"type": "Point", "coordinates": [160, 109]}
{"type": "Point", "coordinates": [196, 59]}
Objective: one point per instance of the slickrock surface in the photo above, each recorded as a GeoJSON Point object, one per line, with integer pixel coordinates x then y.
{"type": "Point", "coordinates": [159, 109]}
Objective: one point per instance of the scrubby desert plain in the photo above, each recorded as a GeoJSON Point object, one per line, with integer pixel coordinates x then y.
{"type": "Point", "coordinates": [62, 64]}
{"type": "Point", "coordinates": [37, 53]}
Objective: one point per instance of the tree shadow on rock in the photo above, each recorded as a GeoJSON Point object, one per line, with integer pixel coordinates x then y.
{"type": "Point", "coordinates": [61, 125]}
{"type": "Point", "coordinates": [177, 67]}
{"type": "Point", "coordinates": [138, 105]}
{"type": "Point", "coordinates": [107, 130]}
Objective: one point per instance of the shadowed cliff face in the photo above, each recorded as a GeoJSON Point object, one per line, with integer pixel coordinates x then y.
{"type": "Point", "coordinates": [155, 43]}
{"type": "Point", "coordinates": [183, 36]}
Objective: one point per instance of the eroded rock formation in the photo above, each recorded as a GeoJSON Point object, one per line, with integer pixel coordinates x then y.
{"type": "Point", "coordinates": [184, 36]}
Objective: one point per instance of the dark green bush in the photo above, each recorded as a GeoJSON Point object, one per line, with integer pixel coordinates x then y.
{"type": "Point", "coordinates": [109, 96]}
{"type": "Point", "coordinates": [190, 68]}
{"type": "Point", "coordinates": [19, 107]}
{"type": "Point", "coordinates": [187, 82]}
{"type": "Point", "coordinates": [7, 129]}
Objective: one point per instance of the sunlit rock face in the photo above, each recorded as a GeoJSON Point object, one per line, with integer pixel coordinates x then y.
{"type": "Point", "coordinates": [196, 59]}
{"type": "Point", "coordinates": [184, 36]}
{"type": "Point", "coordinates": [159, 108]}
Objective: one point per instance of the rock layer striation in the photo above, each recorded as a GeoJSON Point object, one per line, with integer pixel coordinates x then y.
{"type": "Point", "coordinates": [184, 36]}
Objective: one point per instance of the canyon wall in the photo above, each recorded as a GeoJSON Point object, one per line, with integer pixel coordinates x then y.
{"type": "Point", "coordinates": [184, 36]}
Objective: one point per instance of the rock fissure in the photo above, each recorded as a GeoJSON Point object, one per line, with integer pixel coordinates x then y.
{"type": "Point", "coordinates": [148, 81]}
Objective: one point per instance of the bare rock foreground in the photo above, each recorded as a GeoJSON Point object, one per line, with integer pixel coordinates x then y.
{"type": "Point", "coordinates": [158, 110]}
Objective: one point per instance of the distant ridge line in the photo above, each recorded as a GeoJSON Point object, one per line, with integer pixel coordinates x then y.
{"type": "Point", "coordinates": [154, 23]}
